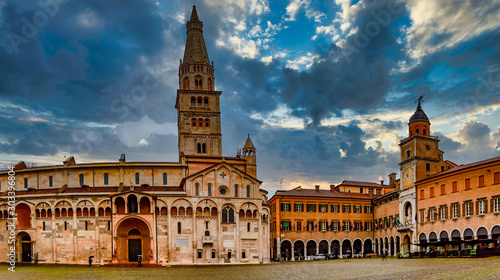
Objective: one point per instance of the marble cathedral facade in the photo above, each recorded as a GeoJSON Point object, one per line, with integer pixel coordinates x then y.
{"type": "Point", "coordinates": [206, 208]}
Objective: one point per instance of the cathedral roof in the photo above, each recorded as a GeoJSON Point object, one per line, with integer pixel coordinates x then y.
{"type": "Point", "coordinates": [195, 51]}
{"type": "Point", "coordinates": [419, 115]}
{"type": "Point", "coordinates": [248, 143]}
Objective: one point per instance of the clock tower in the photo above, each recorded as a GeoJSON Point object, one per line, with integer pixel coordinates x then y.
{"type": "Point", "coordinates": [420, 158]}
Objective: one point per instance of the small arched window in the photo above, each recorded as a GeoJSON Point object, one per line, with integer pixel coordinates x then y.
{"type": "Point", "coordinates": [137, 178]}
{"type": "Point", "coordinates": [106, 179]}
{"type": "Point", "coordinates": [193, 122]}
{"type": "Point", "coordinates": [204, 148]}
{"type": "Point", "coordinates": [186, 83]}
{"type": "Point", "coordinates": [209, 83]}
{"type": "Point", "coordinates": [198, 82]}
{"type": "Point", "coordinates": [199, 148]}
{"type": "Point", "coordinates": [227, 215]}
{"type": "Point", "coordinates": [197, 189]}
{"type": "Point", "coordinates": [200, 122]}
{"type": "Point", "coordinates": [248, 227]}
{"type": "Point", "coordinates": [164, 178]}
{"type": "Point", "coordinates": [25, 183]}
{"type": "Point", "coordinates": [209, 189]}
{"type": "Point", "coordinates": [179, 228]}
{"type": "Point", "coordinates": [81, 180]}
{"type": "Point", "coordinates": [193, 101]}
{"type": "Point", "coordinates": [236, 190]}
{"type": "Point", "coordinates": [416, 131]}
{"type": "Point", "coordinates": [50, 181]}
{"type": "Point", "coordinates": [425, 131]}
{"type": "Point", "coordinates": [205, 101]}
{"type": "Point", "coordinates": [200, 101]}
{"type": "Point", "coordinates": [248, 191]}
{"type": "Point", "coordinates": [207, 122]}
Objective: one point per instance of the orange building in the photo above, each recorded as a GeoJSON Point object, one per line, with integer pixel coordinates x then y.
{"type": "Point", "coordinates": [308, 222]}
{"type": "Point", "coordinates": [436, 208]}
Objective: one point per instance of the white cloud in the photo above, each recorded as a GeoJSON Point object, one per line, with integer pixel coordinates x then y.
{"type": "Point", "coordinates": [241, 46]}
{"type": "Point", "coordinates": [438, 25]}
{"type": "Point", "coordinates": [293, 9]}
{"type": "Point", "coordinates": [301, 62]}
{"type": "Point", "coordinates": [134, 133]}
{"type": "Point", "coordinates": [88, 19]}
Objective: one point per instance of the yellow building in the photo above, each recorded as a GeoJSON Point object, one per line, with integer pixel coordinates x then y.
{"type": "Point", "coordinates": [436, 208]}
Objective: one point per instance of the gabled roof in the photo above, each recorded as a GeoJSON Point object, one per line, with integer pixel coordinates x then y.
{"type": "Point", "coordinates": [227, 165]}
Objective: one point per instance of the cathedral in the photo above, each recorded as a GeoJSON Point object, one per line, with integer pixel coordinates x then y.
{"type": "Point", "coordinates": [204, 209]}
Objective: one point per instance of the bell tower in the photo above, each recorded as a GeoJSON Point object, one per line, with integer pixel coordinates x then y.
{"type": "Point", "coordinates": [197, 104]}
{"type": "Point", "coordinates": [251, 157]}
{"type": "Point", "coordinates": [420, 158]}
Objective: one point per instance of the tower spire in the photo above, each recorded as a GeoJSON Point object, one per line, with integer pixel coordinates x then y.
{"type": "Point", "coordinates": [195, 51]}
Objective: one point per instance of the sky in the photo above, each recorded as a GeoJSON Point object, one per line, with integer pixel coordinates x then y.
{"type": "Point", "coordinates": [324, 88]}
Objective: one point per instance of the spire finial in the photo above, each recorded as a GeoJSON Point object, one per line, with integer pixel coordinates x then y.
{"type": "Point", "coordinates": [420, 100]}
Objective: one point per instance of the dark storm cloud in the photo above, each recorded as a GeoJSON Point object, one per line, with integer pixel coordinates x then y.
{"type": "Point", "coordinates": [87, 56]}
{"type": "Point", "coordinates": [447, 144]}
{"type": "Point", "coordinates": [470, 72]}
{"type": "Point", "coordinates": [341, 79]}
{"type": "Point", "coordinates": [475, 134]}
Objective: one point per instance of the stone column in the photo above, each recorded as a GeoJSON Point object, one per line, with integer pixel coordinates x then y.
{"type": "Point", "coordinates": [54, 231]}
{"type": "Point", "coordinates": [169, 235]}
{"type": "Point", "coordinates": [195, 239]}
{"type": "Point", "coordinates": [237, 236]}
{"type": "Point", "coordinates": [317, 249]}
{"type": "Point", "coordinates": [219, 234]}
{"type": "Point", "coordinates": [260, 235]}
{"type": "Point", "coordinates": [75, 235]}
{"type": "Point", "coordinates": [293, 253]}
{"type": "Point", "coordinates": [97, 243]}
{"type": "Point", "coordinates": [340, 251]}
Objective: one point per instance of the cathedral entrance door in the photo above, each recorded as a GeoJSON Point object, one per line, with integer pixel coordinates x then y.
{"type": "Point", "coordinates": [26, 248]}
{"type": "Point", "coordinates": [133, 237]}
{"type": "Point", "coordinates": [134, 249]}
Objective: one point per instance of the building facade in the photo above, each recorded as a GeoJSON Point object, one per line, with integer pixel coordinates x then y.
{"type": "Point", "coordinates": [435, 208]}
{"type": "Point", "coordinates": [206, 208]}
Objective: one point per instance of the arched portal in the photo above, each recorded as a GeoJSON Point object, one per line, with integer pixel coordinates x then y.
{"type": "Point", "coordinates": [391, 246]}
{"type": "Point", "coordinates": [335, 248]}
{"type": "Point", "coordinates": [368, 247]}
{"type": "Point", "coordinates": [346, 248]}
{"type": "Point", "coordinates": [357, 247]}
{"type": "Point", "coordinates": [311, 248]}
{"type": "Point", "coordinates": [323, 247]}
{"type": "Point", "coordinates": [298, 248]}
{"type": "Point", "coordinates": [286, 250]}
{"type": "Point", "coordinates": [24, 239]}
{"type": "Point", "coordinates": [133, 238]}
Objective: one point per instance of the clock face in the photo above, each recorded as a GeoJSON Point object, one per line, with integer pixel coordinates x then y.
{"type": "Point", "coordinates": [408, 176]}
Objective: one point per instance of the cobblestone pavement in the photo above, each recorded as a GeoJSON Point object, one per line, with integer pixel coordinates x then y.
{"type": "Point", "coordinates": [487, 268]}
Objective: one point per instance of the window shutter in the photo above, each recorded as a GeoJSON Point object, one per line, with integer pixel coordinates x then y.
{"type": "Point", "coordinates": [477, 208]}
{"type": "Point", "coordinates": [463, 208]}
{"type": "Point", "coordinates": [491, 205]}
{"type": "Point", "coordinates": [486, 206]}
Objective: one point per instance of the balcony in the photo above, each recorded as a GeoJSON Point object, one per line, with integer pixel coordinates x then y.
{"type": "Point", "coordinates": [406, 227]}
{"type": "Point", "coordinates": [208, 240]}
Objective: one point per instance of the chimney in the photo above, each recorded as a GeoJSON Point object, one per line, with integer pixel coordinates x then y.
{"type": "Point", "coordinates": [392, 179]}
{"type": "Point", "coordinates": [332, 188]}
{"type": "Point", "coordinates": [381, 182]}
{"type": "Point", "coordinates": [317, 188]}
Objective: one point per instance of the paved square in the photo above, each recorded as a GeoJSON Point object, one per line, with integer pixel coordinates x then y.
{"type": "Point", "coordinates": [488, 268]}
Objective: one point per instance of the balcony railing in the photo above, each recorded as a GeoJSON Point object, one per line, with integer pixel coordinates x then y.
{"type": "Point", "coordinates": [208, 239]}
{"type": "Point", "coordinates": [405, 227]}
